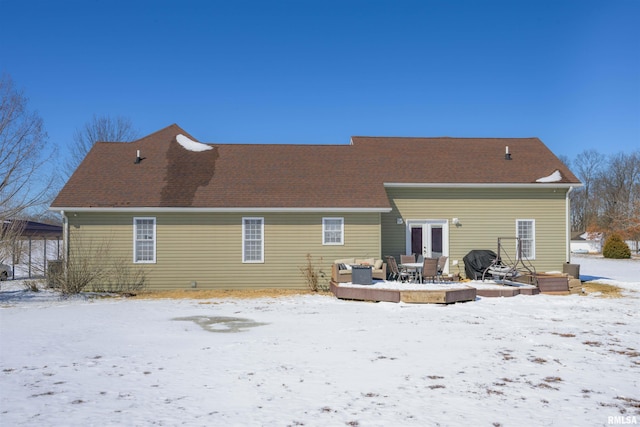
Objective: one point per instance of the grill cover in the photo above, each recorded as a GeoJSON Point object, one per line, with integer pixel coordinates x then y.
{"type": "Point", "coordinates": [477, 261]}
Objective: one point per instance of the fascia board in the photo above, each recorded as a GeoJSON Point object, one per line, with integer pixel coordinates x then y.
{"type": "Point", "coordinates": [216, 210]}
{"type": "Point", "coordinates": [480, 185]}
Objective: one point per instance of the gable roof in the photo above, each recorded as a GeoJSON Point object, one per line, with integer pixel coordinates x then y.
{"type": "Point", "coordinates": [449, 160]}
{"type": "Point", "coordinates": [273, 176]}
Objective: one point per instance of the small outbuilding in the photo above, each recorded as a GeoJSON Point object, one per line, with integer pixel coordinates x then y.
{"type": "Point", "coordinates": [31, 247]}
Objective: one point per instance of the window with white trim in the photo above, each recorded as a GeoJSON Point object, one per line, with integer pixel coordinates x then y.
{"type": "Point", "coordinates": [144, 240]}
{"type": "Point", "coordinates": [252, 239]}
{"type": "Point", "coordinates": [526, 232]}
{"type": "Point", "coordinates": [333, 231]}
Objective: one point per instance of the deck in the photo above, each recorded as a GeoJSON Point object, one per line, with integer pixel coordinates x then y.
{"type": "Point", "coordinates": [492, 289]}
{"type": "Point", "coordinates": [438, 293]}
{"type": "Point", "coordinates": [445, 294]}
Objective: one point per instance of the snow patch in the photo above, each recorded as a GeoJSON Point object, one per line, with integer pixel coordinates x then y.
{"type": "Point", "coordinates": [191, 145]}
{"type": "Point", "coordinates": [552, 358]}
{"type": "Point", "coordinates": [554, 177]}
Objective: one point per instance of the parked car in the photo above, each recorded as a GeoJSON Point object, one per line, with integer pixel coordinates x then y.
{"type": "Point", "coordinates": [4, 271]}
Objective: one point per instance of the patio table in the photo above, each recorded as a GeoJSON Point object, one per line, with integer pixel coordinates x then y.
{"type": "Point", "coordinates": [417, 266]}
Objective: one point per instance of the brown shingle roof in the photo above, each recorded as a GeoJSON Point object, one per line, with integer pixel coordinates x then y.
{"type": "Point", "coordinates": [464, 160]}
{"type": "Point", "coordinates": [293, 176]}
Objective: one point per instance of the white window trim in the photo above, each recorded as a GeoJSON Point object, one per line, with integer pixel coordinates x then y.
{"type": "Point", "coordinates": [341, 242]}
{"type": "Point", "coordinates": [533, 235]}
{"type": "Point", "coordinates": [244, 259]}
{"type": "Point", "coordinates": [135, 235]}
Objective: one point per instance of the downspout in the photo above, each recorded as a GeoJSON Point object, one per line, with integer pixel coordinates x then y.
{"type": "Point", "coordinates": [568, 227]}
{"type": "Point", "coordinates": [65, 241]}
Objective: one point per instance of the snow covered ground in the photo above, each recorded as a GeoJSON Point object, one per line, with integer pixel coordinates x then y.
{"type": "Point", "coordinates": [317, 361]}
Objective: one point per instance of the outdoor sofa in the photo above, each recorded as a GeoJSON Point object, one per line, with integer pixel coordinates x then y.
{"type": "Point", "coordinates": [341, 268]}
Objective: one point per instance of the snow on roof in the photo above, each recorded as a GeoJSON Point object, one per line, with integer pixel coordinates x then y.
{"type": "Point", "coordinates": [554, 177]}
{"type": "Point", "coordinates": [191, 145]}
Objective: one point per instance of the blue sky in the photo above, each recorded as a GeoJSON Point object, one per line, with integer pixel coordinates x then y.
{"type": "Point", "coordinates": [319, 72]}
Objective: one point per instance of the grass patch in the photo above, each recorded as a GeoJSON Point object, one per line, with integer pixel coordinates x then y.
{"type": "Point", "coordinates": [564, 335]}
{"type": "Point", "coordinates": [547, 386]}
{"type": "Point", "coordinates": [224, 293]}
{"type": "Point", "coordinates": [629, 401]}
{"type": "Point", "coordinates": [506, 355]}
{"type": "Point", "coordinates": [628, 352]}
{"type": "Point", "coordinates": [606, 291]}
{"type": "Point", "coordinates": [539, 360]}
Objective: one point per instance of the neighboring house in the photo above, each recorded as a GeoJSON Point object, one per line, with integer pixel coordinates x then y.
{"type": "Point", "coordinates": [586, 243]}
{"type": "Point", "coordinates": [592, 243]}
{"type": "Point", "coordinates": [243, 215]}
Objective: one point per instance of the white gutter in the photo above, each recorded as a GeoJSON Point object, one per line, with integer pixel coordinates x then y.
{"type": "Point", "coordinates": [65, 240]}
{"type": "Point", "coordinates": [477, 185]}
{"type": "Point", "coordinates": [216, 210]}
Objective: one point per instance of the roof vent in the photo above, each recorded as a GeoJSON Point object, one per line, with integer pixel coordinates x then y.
{"type": "Point", "coordinates": [507, 155]}
{"type": "Point", "coordinates": [138, 158]}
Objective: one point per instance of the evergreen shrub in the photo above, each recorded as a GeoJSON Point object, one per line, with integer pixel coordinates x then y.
{"type": "Point", "coordinates": [616, 248]}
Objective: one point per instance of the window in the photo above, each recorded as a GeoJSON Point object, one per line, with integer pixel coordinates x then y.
{"type": "Point", "coordinates": [144, 240]}
{"type": "Point", "coordinates": [526, 231]}
{"type": "Point", "coordinates": [252, 239]}
{"type": "Point", "coordinates": [333, 231]}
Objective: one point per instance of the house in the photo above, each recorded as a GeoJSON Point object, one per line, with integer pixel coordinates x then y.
{"type": "Point", "coordinates": [586, 243]}
{"type": "Point", "coordinates": [246, 215]}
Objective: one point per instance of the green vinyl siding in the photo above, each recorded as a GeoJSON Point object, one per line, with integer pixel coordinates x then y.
{"type": "Point", "coordinates": [206, 248]}
{"type": "Point", "coordinates": [484, 215]}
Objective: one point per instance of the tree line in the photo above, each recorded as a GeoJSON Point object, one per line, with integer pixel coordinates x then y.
{"type": "Point", "coordinates": [30, 175]}
{"type": "Point", "coordinates": [29, 172]}
{"type": "Point", "coordinates": [609, 200]}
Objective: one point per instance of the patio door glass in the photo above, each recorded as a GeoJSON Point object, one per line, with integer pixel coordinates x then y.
{"type": "Point", "coordinates": [436, 240]}
{"type": "Point", "coordinates": [416, 241]}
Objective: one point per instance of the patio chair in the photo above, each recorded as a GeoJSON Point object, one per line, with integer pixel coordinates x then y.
{"type": "Point", "coordinates": [394, 272]}
{"type": "Point", "coordinates": [407, 258]}
{"type": "Point", "coordinates": [442, 262]}
{"type": "Point", "coordinates": [430, 269]}
{"type": "Point", "coordinates": [392, 268]}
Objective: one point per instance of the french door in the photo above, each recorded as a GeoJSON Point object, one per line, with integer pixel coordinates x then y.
{"type": "Point", "coordinates": [428, 237]}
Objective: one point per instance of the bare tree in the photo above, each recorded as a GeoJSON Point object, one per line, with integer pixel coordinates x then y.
{"type": "Point", "coordinates": [618, 189]}
{"type": "Point", "coordinates": [588, 166]}
{"type": "Point", "coordinates": [609, 200]}
{"type": "Point", "coordinates": [99, 129]}
{"type": "Point", "coordinates": [23, 155]}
